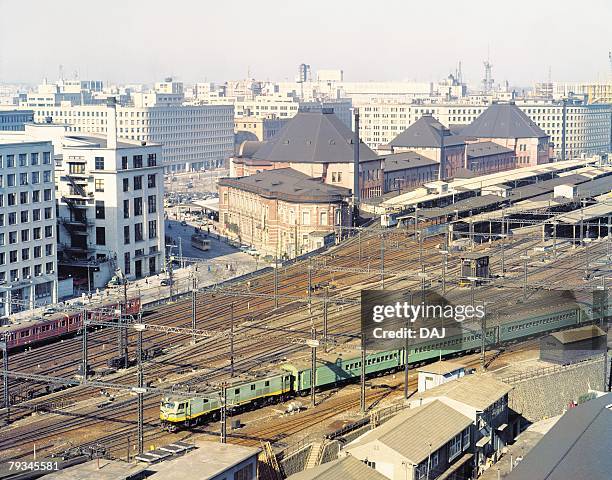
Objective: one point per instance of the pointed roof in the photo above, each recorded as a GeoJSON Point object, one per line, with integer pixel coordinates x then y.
{"type": "Point", "coordinates": [346, 468]}
{"type": "Point", "coordinates": [503, 120]}
{"type": "Point", "coordinates": [313, 137]}
{"type": "Point", "coordinates": [426, 132]}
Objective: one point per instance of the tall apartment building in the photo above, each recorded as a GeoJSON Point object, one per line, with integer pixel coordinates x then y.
{"type": "Point", "coordinates": [587, 129]}
{"type": "Point", "coordinates": [28, 244]}
{"type": "Point", "coordinates": [109, 202]}
{"type": "Point", "coordinates": [192, 137]}
{"type": "Point", "coordinates": [12, 119]}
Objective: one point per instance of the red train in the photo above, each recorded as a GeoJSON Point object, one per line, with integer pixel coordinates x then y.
{"type": "Point", "coordinates": [55, 326]}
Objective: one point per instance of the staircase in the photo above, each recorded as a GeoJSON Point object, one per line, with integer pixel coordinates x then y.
{"type": "Point", "coordinates": [315, 455]}
{"type": "Point", "coordinates": [269, 468]}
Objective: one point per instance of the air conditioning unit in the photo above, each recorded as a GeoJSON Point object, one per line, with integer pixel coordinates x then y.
{"type": "Point", "coordinates": [28, 277]}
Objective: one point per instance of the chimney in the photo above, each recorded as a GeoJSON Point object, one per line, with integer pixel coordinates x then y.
{"type": "Point", "coordinates": [111, 123]}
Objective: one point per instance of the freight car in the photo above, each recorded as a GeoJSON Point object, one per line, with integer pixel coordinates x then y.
{"type": "Point", "coordinates": [53, 327]}
{"type": "Point", "coordinates": [294, 378]}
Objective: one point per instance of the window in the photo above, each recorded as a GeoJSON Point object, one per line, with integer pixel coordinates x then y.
{"type": "Point", "coordinates": [37, 270]}
{"type": "Point", "coordinates": [466, 438]}
{"type": "Point", "coordinates": [34, 159]}
{"type": "Point", "coordinates": [126, 263]}
{"type": "Point", "coordinates": [11, 199]}
{"type": "Point", "coordinates": [152, 160]}
{"type": "Point", "coordinates": [306, 218]}
{"type": "Point", "coordinates": [25, 235]}
{"type": "Point", "coordinates": [1, 219]}
{"type": "Point", "coordinates": [48, 213]}
{"type": "Point", "coordinates": [12, 218]}
{"type": "Point", "coordinates": [100, 236]}
{"type": "Point", "coordinates": [138, 232]}
{"type": "Point", "coordinates": [99, 163]}
{"type": "Point", "coordinates": [48, 231]}
{"type": "Point", "coordinates": [49, 267]}
{"type": "Point", "coordinates": [126, 235]}
{"type": "Point", "coordinates": [244, 473]}
{"type": "Point", "coordinates": [323, 218]}
{"type": "Point", "coordinates": [138, 206]}
{"type": "Point", "coordinates": [370, 464]}
{"type": "Point", "coordinates": [47, 195]}
{"type": "Point", "coordinates": [12, 238]}
{"type": "Point", "coordinates": [13, 256]}
{"type": "Point", "coordinates": [10, 180]}
{"type": "Point", "coordinates": [100, 212]}
{"type": "Point", "coordinates": [454, 447]}
{"type": "Point", "coordinates": [138, 182]}
{"type": "Point", "coordinates": [126, 208]}
{"type": "Point", "coordinates": [35, 196]}
{"type": "Point", "coordinates": [137, 161]}
{"type": "Point", "coordinates": [124, 163]}
{"type": "Point", "coordinates": [126, 184]}
{"type": "Point", "coordinates": [24, 216]}
{"type": "Point", "coordinates": [99, 184]}
{"type": "Point", "coordinates": [23, 198]}
{"type": "Point", "coordinates": [25, 253]}
{"type": "Point", "coordinates": [153, 229]}
{"type": "Point", "coordinates": [37, 233]}
{"type": "Point", "coordinates": [47, 158]}
{"type": "Point", "coordinates": [47, 176]}
{"type": "Point", "coordinates": [48, 249]}
{"type": "Point", "coordinates": [152, 204]}
{"type": "Point", "coordinates": [151, 180]}
{"type": "Point", "coordinates": [10, 161]}
{"type": "Point", "coordinates": [23, 160]}
{"type": "Point", "coordinates": [37, 251]}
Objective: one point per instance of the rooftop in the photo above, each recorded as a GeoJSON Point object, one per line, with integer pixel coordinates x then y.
{"type": "Point", "coordinates": [404, 160]}
{"type": "Point", "coordinates": [313, 137]}
{"type": "Point", "coordinates": [477, 391]}
{"type": "Point", "coordinates": [289, 185]}
{"type": "Point", "coordinates": [206, 461]}
{"type": "Point", "coordinates": [484, 149]}
{"type": "Point", "coordinates": [503, 120]}
{"type": "Point", "coordinates": [98, 470]}
{"type": "Point", "coordinates": [441, 367]}
{"type": "Point", "coordinates": [426, 132]}
{"type": "Point", "coordinates": [347, 468]}
{"type": "Point", "coordinates": [93, 141]}
{"type": "Point", "coordinates": [578, 446]}
{"type": "Point", "coordinates": [578, 334]}
{"type": "Point", "coordinates": [435, 422]}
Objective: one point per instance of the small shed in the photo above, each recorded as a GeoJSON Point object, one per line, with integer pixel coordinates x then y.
{"type": "Point", "coordinates": [437, 373]}
{"type": "Point", "coordinates": [474, 265]}
{"type": "Point", "coordinates": [569, 346]}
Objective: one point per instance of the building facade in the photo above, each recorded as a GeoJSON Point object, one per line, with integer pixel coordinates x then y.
{"type": "Point", "coordinates": [28, 243]}
{"type": "Point", "coordinates": [282, 212]}
{"type": "Point", "coordinates": [255, 128]}
{"type": "Point", "coordinates": [14, 120]}
{"type": "Point", "coordinates": [192, 137]}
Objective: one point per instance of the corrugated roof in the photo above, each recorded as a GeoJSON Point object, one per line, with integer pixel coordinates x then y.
{"type": "Point", "coordinates": [503, 120]}
{"type": "Point", "coordinates": [578, 334]}
{"type": "Point", "coordinates": [313, 137]}
{"type": "Point", "coordinates": [440, 368]}
{"type": "Point", "coordinates": [478, 391]}
{"type": "Point", "coordinates": [287, 184]}
{"type": "Point", "coordinates": [426, 132]}
{"type": "Point", "coordinates": [577, 447]}
{"type": "Point", "coordinates": [347, 468]}
{"type": "Point", "coordinates": [435, 422]}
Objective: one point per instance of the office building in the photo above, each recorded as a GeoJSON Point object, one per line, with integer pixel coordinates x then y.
{"type": "Point", "coordinates": [28, 243]}
{"type": "Point", "coordinates": [257, 128]}
{"type": "Point", "coordinates": [13, 120]}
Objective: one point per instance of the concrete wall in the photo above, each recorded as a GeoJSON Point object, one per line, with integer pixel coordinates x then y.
{"type": "Point", "coordinates": [295, 462]}
{"type": "Point", "coordinates": [548, 394]}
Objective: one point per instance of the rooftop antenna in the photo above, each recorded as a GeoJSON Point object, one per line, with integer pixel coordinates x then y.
{"type": "Point", "coordinates": [487, 82]}
{"type": "Point", "coordinates": [459, 73]}
{"type": "Point", "coordinates": [61, 72]}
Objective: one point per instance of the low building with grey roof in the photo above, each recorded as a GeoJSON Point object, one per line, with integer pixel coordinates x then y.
{"type": "Point", "coordinates": [282, 212]}
{"type": "Point", "coordinates": [347, 468]}
{"type": "Point", "coordinates": [422, 442]}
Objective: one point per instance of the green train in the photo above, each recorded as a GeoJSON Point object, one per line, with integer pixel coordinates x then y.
{"type": "Point", "coordinates": [294, 378]}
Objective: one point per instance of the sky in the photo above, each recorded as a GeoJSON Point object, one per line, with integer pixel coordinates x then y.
{"type": "Point", "coordinates": [122, 41]}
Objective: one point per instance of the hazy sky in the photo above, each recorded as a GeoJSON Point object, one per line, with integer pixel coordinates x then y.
{"type": "Point", "coordinates": [215, 40]}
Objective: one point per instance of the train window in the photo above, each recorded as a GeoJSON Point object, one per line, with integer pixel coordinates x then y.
{"type": "Point", "coordinates": [205, 400]}
{"type": "Point", "coordinates": [253, 386]}
{"type": "Point", "coordinates": [237, 391]}
{"type": "Point", "coordinates": [63, 323]}
{"type": "Point", "coordinates": [267, 383]}
{"type": "Point", "coordinates": [24, 333]}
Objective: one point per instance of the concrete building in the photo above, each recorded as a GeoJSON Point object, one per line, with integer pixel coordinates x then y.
{"type": "Point", "coordinates": [14, 120]}
{"type": "Point", "coordinates": [282, 212]}
{"type": "Point", "coordinates": [28, 242]}
{"type": "Point", "coordinates": [257, 128]}
{"type": "Point", "coordinates": [192, 137]}
{"type": "Point", "coordinates": [408, 170]}
{"type": "Point", "coordinates": [571, 346]}
{"type": "Point", "coordinates": [418, 443]}
{"type": "Point", "coordinates": [587, 127]}
{"type": "Point", "coordinates": [317, 144]}
{"type": "Point", "coordinates": [109, 202]}
{"type": "Point", "coordinates": [437, 373]}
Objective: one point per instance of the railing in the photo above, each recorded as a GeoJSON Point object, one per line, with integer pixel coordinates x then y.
{"type": "Point", "coordinates": [539, 372]}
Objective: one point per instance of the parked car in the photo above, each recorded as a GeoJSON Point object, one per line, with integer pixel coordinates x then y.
{"type": "Point", "coordinates": [166, 282]}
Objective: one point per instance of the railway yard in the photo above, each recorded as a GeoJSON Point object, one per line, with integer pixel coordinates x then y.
{"type": "Point", "coordinates": [257, 323]}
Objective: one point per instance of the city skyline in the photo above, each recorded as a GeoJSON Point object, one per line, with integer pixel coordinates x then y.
{"type": "Point", "coordinates": [143, 42]}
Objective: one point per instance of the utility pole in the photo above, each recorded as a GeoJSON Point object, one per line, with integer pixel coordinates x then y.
{"type": "Point", "coordinates": [310, 285]}
{"type": "Point", "coordinates": [483, 346]}
{"type": "Point", "coordinates": [231, 338]}
{"type": "Point", "coordinates": [382, 260]}
{"type": "Point", "coordinates": [84, 364]}
{"type": "Point", "coordinates": [325, 320]}
{"type": "Point", "coordinates": [362, 397]}
{"type": "Point", "coordinates": [359, 240]}
{"type": "Point", "coordinates": [525, 259]}
{"type": "Point", "coordinates": [503, 243]}
{"type": "Point", "coordinates": [275, 282]}
{"type": "Point", "coordinates": [223, 395]}
{"type": "Point", "coordinates": [313, 368]}
{"type": "Point", "coordinates": [140, 391]}
{"type": "Point", "coordinates": [406, 359]}
{"type": "Point", "coordinates": [5, 379]}
{"type": "Point", "coordinates": [194, 308]}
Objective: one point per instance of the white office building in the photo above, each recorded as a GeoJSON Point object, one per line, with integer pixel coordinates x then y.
{"type": "Point", "coordinates": [587, 129]}
{"type": "Point", "coordinates": [28, 244]}
{"type": "Point", "coordinates": [192, 137]}
{"type": "Point", "coordinates": [110, 203]}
